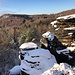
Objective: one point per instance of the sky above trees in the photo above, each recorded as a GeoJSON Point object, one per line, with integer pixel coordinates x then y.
{"type": "Point", "coordinates": [35, 6]}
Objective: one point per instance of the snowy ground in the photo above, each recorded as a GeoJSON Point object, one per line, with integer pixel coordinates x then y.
{"type": "Point", "coordinates": [60, 69]}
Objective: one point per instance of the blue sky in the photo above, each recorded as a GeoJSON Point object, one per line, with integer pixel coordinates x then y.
{"type": "Point", "coordinates": [35, 6]}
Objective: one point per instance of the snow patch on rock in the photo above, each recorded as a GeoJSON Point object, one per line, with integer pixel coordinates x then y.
{"type": "Point", "coordinates": [28, 45]}
{"type": "Point", "coordinates": [53, 22]}
{"type": "Point", "coordinates": [48, 35]}
{"type": "Point", "coordinates": [64, 51]}
{"type": "Point", "coordinates": [71, 48]}
{"type": "Point", "coordinates": [57, 29]}
{"type": "Point", "coordinates": [69, 28]}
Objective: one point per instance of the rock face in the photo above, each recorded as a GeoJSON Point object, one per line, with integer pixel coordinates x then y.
{"type": "Point", "coordinates": [52, 43]}
{"type": "Point", "coordinates": [64, 28]}
{"type": "Point", "coordinates": [50, 38]}
{"type": "Point", "coordinates": [56, 48]}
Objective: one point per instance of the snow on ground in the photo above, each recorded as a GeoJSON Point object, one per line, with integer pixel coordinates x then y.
{"type": "Point", "coordinates": [60, 69]}
{"type": "Point", "coordinates": [70, 28]}
{"type": "Point", "coordinates": [15, 70]}
{"type": "Point", "coordinates": [5, 16]}
{"type": "Point", "coordinates": [37, 61]}
{"type": "Point", "coordinates": [67, 17]}
{"type": "Point", "coordinates": [48, 35]}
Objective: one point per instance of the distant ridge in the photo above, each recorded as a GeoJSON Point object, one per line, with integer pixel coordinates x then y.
{"type": "Point", "coordinates": [67, 12]}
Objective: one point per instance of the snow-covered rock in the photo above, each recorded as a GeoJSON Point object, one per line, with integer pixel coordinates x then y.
{"type": "Point", "coordinates": [60, 69]}
{"type": "Point", "coordinates": [37, 61]}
